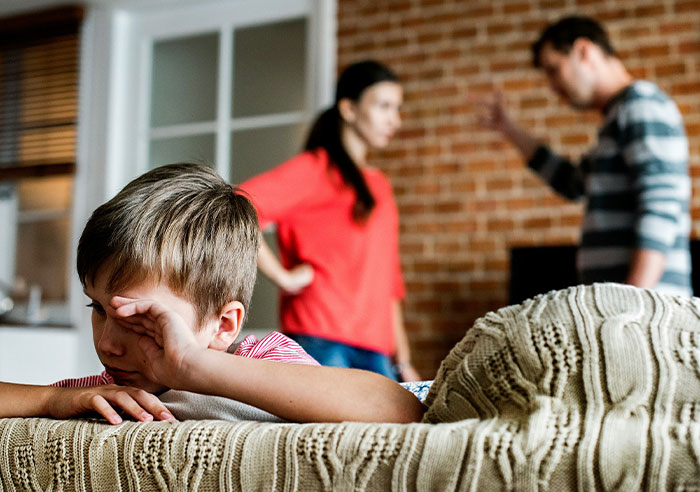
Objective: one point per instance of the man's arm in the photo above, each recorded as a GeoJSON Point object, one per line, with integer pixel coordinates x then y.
{"type": "Point", "coordinates": [492, 113]}
{"type": "Point", "coordinates": [562, 175]}
{"type": "Point", "coordinates": [646, 268]}
{"type": "Point", "coordinates": [655, 149]}
{"type": "Point", "coordinates": [25, 400]}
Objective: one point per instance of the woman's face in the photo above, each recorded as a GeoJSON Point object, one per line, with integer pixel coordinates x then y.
{"type": "Point", "coordinates": [375, 117]}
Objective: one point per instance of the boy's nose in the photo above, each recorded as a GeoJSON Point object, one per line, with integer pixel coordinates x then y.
{"type": "Point", "coordinates": [110, 341]}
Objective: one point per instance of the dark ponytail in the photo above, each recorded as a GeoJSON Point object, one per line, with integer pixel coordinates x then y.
{"type": "Point", "coordinates": [325, 132]}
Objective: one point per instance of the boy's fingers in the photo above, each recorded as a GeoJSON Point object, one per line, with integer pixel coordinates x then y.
{"type": "Point", "coordinates": [138, 325]}
{"type": "Point", "coordinates": [153, 405]}
{"type": "Point", "coordinates": [101, 406]}
{"type": "Point", "coordinates": [150, 347]}
{"type": "Point", "coordinates": [146, 307]}
{"type": "Point", "coordinates": [127, 403]}
{"type": "Point", "coordinates": [119, 300]}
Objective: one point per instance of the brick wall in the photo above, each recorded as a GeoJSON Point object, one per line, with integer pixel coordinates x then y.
{"type": "Point", "coordinates": [463, 194]}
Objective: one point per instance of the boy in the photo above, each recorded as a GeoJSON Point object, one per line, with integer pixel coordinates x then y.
{"type": "Point", "coordinates": [169, 265]}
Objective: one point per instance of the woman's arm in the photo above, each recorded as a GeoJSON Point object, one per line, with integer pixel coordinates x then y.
{"type": "Point", "coordinates": [291, 281]}
{"type": "Point", "coordinates": [403, 351]}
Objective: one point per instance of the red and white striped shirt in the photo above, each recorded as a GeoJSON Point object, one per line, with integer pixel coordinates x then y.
{"type": "Point", "coordinates": [275, 346]}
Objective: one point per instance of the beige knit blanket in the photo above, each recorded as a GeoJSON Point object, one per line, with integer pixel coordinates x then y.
{"type": "Point", "coordinates": [590, 388]}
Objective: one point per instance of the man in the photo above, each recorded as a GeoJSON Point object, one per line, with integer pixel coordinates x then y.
{"type": "Point", "coordinates": [636, 224]}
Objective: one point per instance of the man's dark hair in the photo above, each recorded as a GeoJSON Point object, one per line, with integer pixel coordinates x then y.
{"type": "Point", "coordinates": [563, 33]}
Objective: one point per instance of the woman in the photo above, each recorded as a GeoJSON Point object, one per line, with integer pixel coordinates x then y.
{"type": "Point", "coordinates": [337, 231]}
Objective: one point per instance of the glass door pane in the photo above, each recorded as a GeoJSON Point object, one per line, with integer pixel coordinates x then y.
{"type": "Point", "coordinates": [255, 151]}
{"type": "Point", "coordinates": [269, 68]}
{"type": "Point", "coordinates": [42, 262]}
{"type": "Point", "coordinates": [200, 149]}
{"type": "Point", "coordinates": [184, 80]}
{"type": "Point", "coordinates": [259, 149]}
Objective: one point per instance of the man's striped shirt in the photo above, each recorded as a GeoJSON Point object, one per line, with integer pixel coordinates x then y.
{"type": "Point", "coordinates": [637, 188]}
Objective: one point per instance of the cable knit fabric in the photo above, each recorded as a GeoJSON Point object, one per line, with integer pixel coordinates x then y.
{"type": "Point", "coordinates": [588, 388]}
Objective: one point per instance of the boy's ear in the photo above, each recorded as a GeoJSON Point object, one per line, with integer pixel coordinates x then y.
{"type": "Point", "coordinates": [230, 321]}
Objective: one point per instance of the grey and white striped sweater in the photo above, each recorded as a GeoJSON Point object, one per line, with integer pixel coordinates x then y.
{"type": "Point", "coordinates": [637, 187]}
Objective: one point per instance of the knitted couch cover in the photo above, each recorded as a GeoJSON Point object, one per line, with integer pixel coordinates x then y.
{"type": "Point", "coordinates": [588, 388]}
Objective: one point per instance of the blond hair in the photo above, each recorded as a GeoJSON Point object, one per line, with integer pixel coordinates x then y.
{"type": "Point", "coordinates": [180, 224]}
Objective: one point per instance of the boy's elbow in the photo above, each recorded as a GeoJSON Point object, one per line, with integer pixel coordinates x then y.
{"type": "Point", "coordinates": [405, 408]}
{"type": "Point", "coordinates": [413, 412]}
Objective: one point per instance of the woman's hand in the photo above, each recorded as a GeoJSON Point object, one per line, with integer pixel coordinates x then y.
{"type": "Point", "coordinates": [105, 400]}
{"type": "Point", "coordinates": [407, 372]}
{"type": "Point", "coordinates": [291, 281]}
{"type": "Point", "coordinates": [297, 278]}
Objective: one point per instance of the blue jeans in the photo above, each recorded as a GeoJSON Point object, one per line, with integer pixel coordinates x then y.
{"type": "Point", "coordinates": [337, 354]}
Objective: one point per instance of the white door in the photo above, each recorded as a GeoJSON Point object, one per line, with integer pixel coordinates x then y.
{"type": "Point", "coordinates": [234, 85]}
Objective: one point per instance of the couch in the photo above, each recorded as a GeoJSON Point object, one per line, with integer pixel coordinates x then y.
{"type": "Point", "coordinates": [587, 388]}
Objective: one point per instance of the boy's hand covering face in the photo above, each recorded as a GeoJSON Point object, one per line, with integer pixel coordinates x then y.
{"type": "Point", "coordinates": [139, 404]}
{"type": "Point", "coordinates": [166, 342]}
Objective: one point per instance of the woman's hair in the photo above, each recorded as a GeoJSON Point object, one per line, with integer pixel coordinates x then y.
{"type": "Point", "coordinates": [325, 132]}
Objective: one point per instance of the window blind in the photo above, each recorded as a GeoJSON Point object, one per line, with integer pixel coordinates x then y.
{"type": "Point", "coordinates": [39, 73]}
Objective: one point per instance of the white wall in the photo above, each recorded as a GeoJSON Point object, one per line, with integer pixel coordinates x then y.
{"type": "Point", "coordinates": [37, 355]}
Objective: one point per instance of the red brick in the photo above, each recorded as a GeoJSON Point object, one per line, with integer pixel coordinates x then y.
{"type": "Point", "coordinates": [499, 29]}
{"type": "Point", "coordinates": [553, 4]}
{"type": "Point", "coordinates": [448, 129]}
{"type": "Point", "coordinates": [671, 28]}
{"type": "Point", "coordinates": [538, 223]}
{"type": "Point", "coordinates": [430, 37]}
{"type": "Point", "coordinates": [686, 88]}
{"type": "Point", "coordinates": [495, 225]}
{"type": "Point", "coordinates": [448, 207]}
{"type": "Point", "coordinates": [509, 65]}
{"type": "Point", "coordinates": [687, 6]}
{"type": "Point", "coordinates": [448, 168]}
{"type": "Point", "coordinates": [464, 32]}
{"type": "Point", "coordinates": [463, 226]}
{"type": "Point", "coordinates": [516, 8]}
{"type": "Point", "coordinates": [654, 51]}
{"type": "Point", "coordinates": [516, 85]}
{"type": "Point", "coordinates": [534, 103]}
{"type": "Point", "coordinates": [576, 139]}
{"type": "Point", "coordinates": [426, 188]}
{"type": "Point", "coordinates": [466, 70]}
{"type": "Point", "coordinates": [655, 10]}
{"type": "Point", "coordinates": [479, 11]}
{"type": "Point", "coordinates": [611, 15]}
{"type": "Point", "coordinates": [678, 68]}
{"type": "Point", "coordinates": [689, 47]}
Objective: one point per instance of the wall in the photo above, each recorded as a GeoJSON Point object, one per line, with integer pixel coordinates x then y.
{"type": "Point", "coordinates": [464, 197]}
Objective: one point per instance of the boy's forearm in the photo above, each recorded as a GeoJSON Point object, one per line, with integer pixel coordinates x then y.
{"type": "Point", "coordinates": [303, 393]}
{"type": "Point", "coordinates": [23, 400]}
